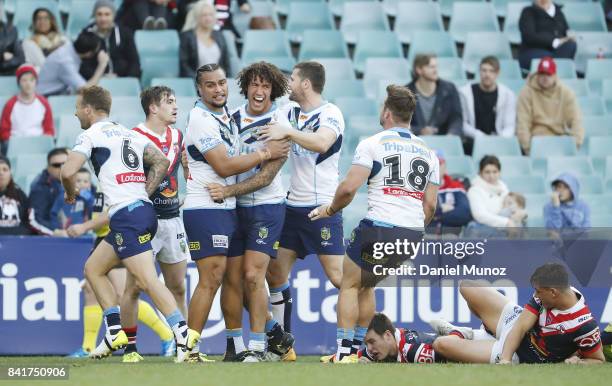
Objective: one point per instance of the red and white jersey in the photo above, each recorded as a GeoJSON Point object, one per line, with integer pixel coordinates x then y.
{"type": "Point", "coordinates": [20, 119]}
{"type": "Point", "coordinates": [116, 156]}
{"type": "Point", "coordinates": [401, 167]}
{"type": "Point", "coordinates": [412, 347]}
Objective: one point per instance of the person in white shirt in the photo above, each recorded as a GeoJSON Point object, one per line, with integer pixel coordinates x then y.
{"type": "Point", "coordinates": [403, 175]}
{"type": "Point", "coordinates": [118, 157]}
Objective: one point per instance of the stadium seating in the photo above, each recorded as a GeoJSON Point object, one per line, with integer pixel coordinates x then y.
{"type": "Point", "coordinates": [449, 144]}
{"type": "Point", "coordinates": [451, 69]}
{"type": "Point", "coordinates": [566, 69]}
{"type": "Point", "coordinates": [29, 145]}
{"type": "Point", "coordinates": [543, 147]}
{"type": "Point", "coordinates": [516, 85]}
{"type": "Point", "coordinates": [417, 16]}
{"type": "Point", "coordinates": [337, 6]}
{"type": "Point", "coordinates": [460, 166]}
{"type": "Point", "coordinates": [283, 7]}
{"type": "Point", "coordinates": [80, 15]}
{"type": "Point", "coordinates": [121, 86]}
{"type": "Point", "coordinates": [356, 106]}
{"type": "Point", "coordinates": [511, 28]}
{"type": "Point", "coordinates": [361, 126]}
{"type": "Point", "coordinates": [600, 204]}
{"type": "Point", "coordinates": [375, 44]}
{"type": "Point", "coordinates": [24, 10]}
{"type": "Point", "coordinates": [446, 6]}
{"type": "Point", "coordinates": [606, 94]}
{"type": "Point", "coordinates": [158, 67]}
{"type": "Point", "coordinates": [391, 7]}
{"type": "Point", "coordinates": [232, 52]}
{"type": "Point", "coordinates": [480, 44]}
{"type": "Point", "coordinates": [592, 105]}
{"type": "Point", "coordinates": [8, 86]}
{"type": "Point", "coordinates": [322, 44]}
{"type": "Point", "coordinates": [383, 68]}
{"type": "Point", "coordinates": [362, 15]}
{"type": "Point", "coordinates": [258, 8]}
{"type": "Point", "coordinates": [534, 204]}
{"type": "Point", "coordinates": [525, 184]}
{"type": "Point", "coordinates": [597, 125]}
{"type": "Point", "coordinates": [308, 15]}
{"type": "Point", "coordinates": [154, 44]}
{"type": "Point", "coordinates": [336, 88]}
{"type": "Point", "coordinates": [577, 165]}
{"type": "Point", "coordinates": [590, 45]}
{"type": "Point", "coordinates": [276, 45]}
{"type": "Point", "coordinates": [69, 128]}
{"type": "Point", "coordinates": [497, 145]}
{"type": "Point", "coordinates": [432, 42]}
{"type": "Point", "coordinates": [585, 16]}
{"type": "Point", "coordinates": [472, 17]}
{"type": "Point", "coordinates": [512, 166]}
{"type": "Point", "coordinates": [126, 106]}
{"type": "Point", "coordinates": [579, 86]}
{"type": "Point", "coordinates": [591, 185]}
{"type": "Point", "coordinates": [596, 71]}
{"type": "Point", "coordinates": [337, 69]}
{"type": "Point", "coordinates": [381, 92]}
{"type": "Point", "coordinates": [598, 148]}
{"type": "Point", "coordinates": [355, 212]}
{"type": "Point", "coordinates": [62, 104]}
{"type": "Point", "coordinates": [183, 87]}
{"type": "Point", "coordinates": [501, 7]}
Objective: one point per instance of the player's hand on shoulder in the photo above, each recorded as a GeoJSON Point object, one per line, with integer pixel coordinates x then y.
{"type": "Point", "coordinates": [278, 149]}
{"type": "Point", "coordinates": [318, 213]}
{"type": "Point", "coordinates": [273, 131]}
{"type": "Point", "coordinates": [76, 230]}
{"type": "Point", "coordinates": [217, 192]}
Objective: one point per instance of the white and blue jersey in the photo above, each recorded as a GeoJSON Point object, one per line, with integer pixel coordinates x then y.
{"type": "Point", "coordinates": [205, 131]}
{"type": "Point", "coordinates": [247, 127]}
{"type": "Point", "coordinates": [314, 176]}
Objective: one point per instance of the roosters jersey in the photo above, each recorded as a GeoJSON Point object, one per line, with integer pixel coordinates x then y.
{"type": "Point", "coordinates": [166, 199]}
{"type": "Point", "coordinates": [314, 176]}
{"type": "Point", "coordinates": [559, 334]}
{"type": "Point", "coordinates": [116, 156]}
{"type": "Point", "coordinates": [247, 127]}
{"type": "Point", "coordinates": [205, 131]}
{"type": "Point", "coordinates": [412, 347]}
{"type": "Point", "coordinates": [401, 167]}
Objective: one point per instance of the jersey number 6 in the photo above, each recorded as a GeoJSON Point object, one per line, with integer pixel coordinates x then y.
{"type": "Point", "coordinates": [129, 156]}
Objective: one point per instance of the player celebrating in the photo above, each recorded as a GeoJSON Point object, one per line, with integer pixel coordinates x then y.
{"type": "Point", "coordinates": [318, 127]}
{"type": "Point", "coordinates": [261, 212]}
{"type": "Point", "coordinates": [212, 143]}
{"type": "Point", "coordinates": [170, 243]}
{"type": "Point", "coordinates": [555, 324]}
{"type": "Point", "coordinates": [399, 203]}
{"type": "Point", "coordinates": [118, 157]}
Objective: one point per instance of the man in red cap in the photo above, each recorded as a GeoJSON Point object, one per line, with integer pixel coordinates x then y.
{"type": "Point", "coordinates": [26, 114]}
{"type": "Point", "coordinates": [547, 107]}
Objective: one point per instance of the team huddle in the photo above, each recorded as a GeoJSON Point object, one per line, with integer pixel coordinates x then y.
{"type": "Point", "coordinates": [244, 231]}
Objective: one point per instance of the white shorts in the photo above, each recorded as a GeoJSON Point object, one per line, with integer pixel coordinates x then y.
{"type": "Point", "coordinates": [170, 241]}
{"type": "Point", "coordinates": [508, 317]}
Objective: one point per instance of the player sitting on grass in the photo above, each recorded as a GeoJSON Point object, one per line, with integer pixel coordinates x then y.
{"type": "Point", "coordinates": [555, 325]}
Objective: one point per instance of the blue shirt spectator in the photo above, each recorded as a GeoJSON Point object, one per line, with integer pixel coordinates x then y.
{"type": "Point", "coordinates": [44, 191]}
{"type": "Point", "coordinates": [63, 215]}
{"type": "Point", "coordinates": [566, 210]}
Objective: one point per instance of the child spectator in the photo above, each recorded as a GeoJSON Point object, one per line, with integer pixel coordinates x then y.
{"type": "Point", "coordinates": [26, 114]}
{"type": "Point", "coordinates": [566, 210]}
{"type": "Point", "coordinates": [514, 205]}
{"type": "Point", "coordinates": [64, 215]}
{"type": "Point", "coordinates": [14, 204]}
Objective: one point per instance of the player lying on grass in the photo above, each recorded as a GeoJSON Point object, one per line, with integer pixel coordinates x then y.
{"type": "Point", "coordinates": [556, 325]}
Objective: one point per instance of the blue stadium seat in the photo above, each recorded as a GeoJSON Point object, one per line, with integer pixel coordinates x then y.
{"type": "Point", "coordinates": [512, 165]}
{"type": "Point", "coordinates": [460, 166]}
{"type": "Point", "coordinates": [381, 92]}
{"type": "Point", "coordinates": [513, 14]}
{"type": "Point", "coordinates": [590, 45]}
{"type": "Point", "coordinates": [283, 7]}
{"type": "Point", "coordinates": [472, 17]}
{"type": "Point", "coordinates": [375, 44]}
{"type": "Point", "coordinates": [449, 144]}
{"type": "Point", "coordinates": [322, 44]}
{"type": "Point", "coordinates": [362, 15]}
{"type": "Point", "coordinates": [68, 130]}
{"type": "Point", "coordinates": [493, 144]}
{"type": "Point", "coordinates": [481, 44]}
{"type": "Point", "coordinates": [80, 15]}
{"type": "Point", "coordinates": [606, 94]}
{"type": "Point", "coordinates": [29, 145]}
{"type": "Point", "coordinates": [258, 8]}
{"type": "Point", "coordinates": [123, 106]}
{"type": "Point", "coordinates": [337, 69]}
{"type": "Point", "coordinates": [305, 16]}
{"type": "Point", "coordinates": [362, 126]}
{"type": "Point", "coordinates": [8, 86]}
{"type": "Point", "coordinates": [596, 71]}
{"type": "Point", "coordinates": [23, 14]}
{"type": "Point", "coordinates": [446, 6]}
{"type": "Point", "coordinates": [549, 146]}
{"type": "Point", "coordinates": [391, 7]}
{"type": "Point", "coordinates": [516, 85]}
{"type": "Point", "coordinates": [234, 60]}
{"type": "Point", "coordinates": [592, 105]}
{"type": "Point", "coordinates": [501, 7]}
{"type": "Point", "coordinates": [598, 148]}
{"type": "Point", "coordinates": [158, 67]}
{"type": "Point", "coordinates": [337, 6]}
{"type": "Point", "coordinates": [585, 16]}
{"type": "Point", "coordinates": [121, 86]}
{"type": "Point", "coordinates": [183, 87]}
{"type": "Point", "coordinates": [451, 69]}
{"type": "Point", "coordinates": [591, 185]}
{"type": "Point", "coordinates": [356, 106]}
{"type": "Point", "coordinates": [62, 104]}
{"type": "Point", "coordinates": [284, 63]}
{"type": "Point", "coordinates": [277, 45]}
{"type": "Point", "coordinates": [578, 165]}
{"type": "Point", "coordinates": [608, 174]}
{"type": "Point", "coordinates": [25, 165]}
{"type": "Point", "coordinates": [534, 203]}
{"type": "Point", "coordinates": [439, 43]}
{"type": "Point", "coordinates": [508, 69]}
{"type": "Point", "coordinates": [417, 16]}
{"type": "Point", "coordinates": [597, 125]}
{"type": "Point", "coordinates": [152, 44]}
{"type": "Point", "coordinates": [566, 69]}
{"type": "Point", "coordinates": [525, 184]}
{"type": "Point", "coordinates": [383, 68]}
{"type": "Point", "coordinates": [579, 86]}
{"type": "Point", "coordinates": [355, 212]}
{"type": "Point", "coordinates": [337, 88]}
{"type": "Point", "coordinates": [600, 205]}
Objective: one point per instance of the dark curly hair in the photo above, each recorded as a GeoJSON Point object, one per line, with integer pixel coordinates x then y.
{"type": "Point", "coordinates": [266, 72]}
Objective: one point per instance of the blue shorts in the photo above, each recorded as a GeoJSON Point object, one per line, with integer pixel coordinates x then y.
{"type": "Point", "coordinates": [306, 237]}
{"type": "Point", "coordinates": [367, 232]}
{"type": "Point", "coordinates": [209, 231]}
{"type": "Point", "coordinates": [259, 229]}
{"type": "Point", "coordinates": [132, 228]}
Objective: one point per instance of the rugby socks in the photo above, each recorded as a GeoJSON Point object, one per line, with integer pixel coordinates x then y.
{"type": "Point", "coordinates": [176, 321]}
{"type": "Point", "coordinates": [344, 339]}
{"type": "Point", "coordinates": [131, 335]}
{"type": "Point", "coordinates": [148, 317]}
{"type": "Point", "coordinates": [274, 330]}
{"type": "Point", "coordinates": [112, 320]}
{"type": "Point", "coordinates": [234, 340]}
{"type": "Point", "coordinates": [282, 305]}
{"type": "Point", "coordinates": [92, 319]}
{"type": "Point", "coordinates": [456, 333]}
{"type": "Point", "coordinates": [360, 333]}
{"type": "Point", "coordinates": [257, 341]}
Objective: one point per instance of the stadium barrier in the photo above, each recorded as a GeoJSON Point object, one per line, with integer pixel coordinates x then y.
{"type": "Point", "coordinates": [41, 300]}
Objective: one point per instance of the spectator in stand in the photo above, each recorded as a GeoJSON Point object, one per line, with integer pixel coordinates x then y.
{"type": "Point", "coordinates": [547, 107]}
{"type": "Point", "coordinates": [486, 196]}
{"type": "Point", "coordinates": [144, 14]}
{"type": "Point", "coordinates": [64, 215]}
{"type": "Point", "coordinates": [566, 210]}
{"type": "Point", "coordinates": [60, 73]}
{"type": "Point", "coordinates": [453, 210]}
{"type": "Point", "coordinates": [14, 204]}
{"type": "Point", "coordinates": [200, 43]}
{"type": "Point", "coordinates": [44, 191]}
{"type": "Point", "coordinates": [438, 106]}
{"type": "Point", "coordinates": [223, 9]}
{"type": "Point", "coordinates": [46, 38]}
{"type": "Point", "coordinates": [489, 107]}
{"type": "Point", "coordinates": [11, 51]}
{"type": "Point", "coordinates": [544, 33]}
{"type": "Point", "coordinates": [117, 41]}
{"type": "Point", "coordinates": [26, 114]}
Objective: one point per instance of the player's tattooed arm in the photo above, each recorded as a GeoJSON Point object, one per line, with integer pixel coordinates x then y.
{"type": "Point", "coordinates": [262, 178]}
{"type": "Point", "coordinates": [158, 167]}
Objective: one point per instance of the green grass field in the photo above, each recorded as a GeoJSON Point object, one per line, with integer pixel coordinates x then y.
{"type": "Point", "coordinates": [156, 371]}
